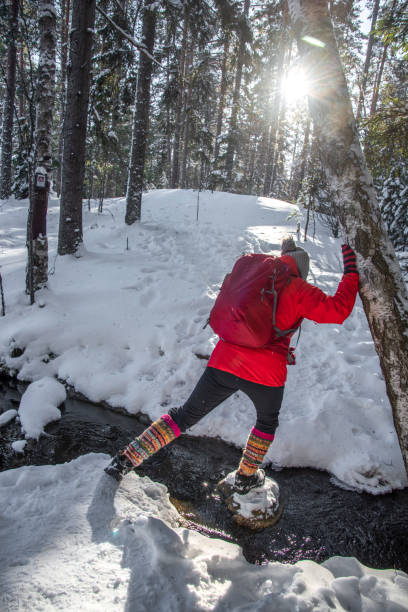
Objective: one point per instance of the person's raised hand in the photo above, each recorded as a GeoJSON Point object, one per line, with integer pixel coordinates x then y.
{"type": "Point", "coordinates": [349, 259]}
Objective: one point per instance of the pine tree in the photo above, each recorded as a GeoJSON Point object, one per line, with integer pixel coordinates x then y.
{"type": "Point", "coordinates": [394, 204]}
{"type": "Point", "coordinates": [9, 103]}
{"type": "Point", "coordinates": [63, 41]}
{"type": "Point", "coordinates": [141, 116]}
{"type": "Point", "coordinates": [175, 172]}
{"type": "Point", "coordinates": [73, 165]}
{"type": "Point", "coordinates": [233, 136]}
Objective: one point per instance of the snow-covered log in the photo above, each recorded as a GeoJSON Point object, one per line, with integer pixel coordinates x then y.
{"type": "Point", "coordinates": [382, 289]}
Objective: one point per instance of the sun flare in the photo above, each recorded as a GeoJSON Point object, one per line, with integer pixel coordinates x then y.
{"type": "Point", "coordinates": [295, 86]}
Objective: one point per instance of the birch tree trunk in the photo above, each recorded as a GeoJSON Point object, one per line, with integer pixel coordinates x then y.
{"type": "Point", "coordinates": [8, 105]}
{"type": "Point", "coordinates": [382, 289]}
{"type": "Point", "coordinates": [75, 123]}
{"type": "Point", "coordinates": [37, 269]}
{"type": "Point", "coordinates": [141, 117]}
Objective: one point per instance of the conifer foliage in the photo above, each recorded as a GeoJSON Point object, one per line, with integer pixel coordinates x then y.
{"type": "Point", "coordinates": [197, 94]}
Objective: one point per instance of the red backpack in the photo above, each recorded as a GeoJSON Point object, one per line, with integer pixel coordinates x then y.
{"type": "Point", "coordinates": [245, 310]}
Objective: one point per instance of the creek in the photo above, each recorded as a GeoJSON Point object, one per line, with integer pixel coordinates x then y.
{"type": "Point", "coordinates": [319, 520]}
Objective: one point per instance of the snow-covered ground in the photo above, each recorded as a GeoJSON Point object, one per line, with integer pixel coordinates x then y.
{"type": "Point", "coordinates": [72, 540]}
{"type": "Point", "coordinates": [124, 323]}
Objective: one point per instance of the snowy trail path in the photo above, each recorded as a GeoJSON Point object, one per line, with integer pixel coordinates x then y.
{"type": "Point", "coordinates": [126, 326]}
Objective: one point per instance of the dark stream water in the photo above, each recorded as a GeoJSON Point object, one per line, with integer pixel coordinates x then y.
{"type": "Point", "coordinates": [319, 520]}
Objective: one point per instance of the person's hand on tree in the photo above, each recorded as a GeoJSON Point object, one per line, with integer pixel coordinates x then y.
{"type": "Point", "coordinates": [349, 260]}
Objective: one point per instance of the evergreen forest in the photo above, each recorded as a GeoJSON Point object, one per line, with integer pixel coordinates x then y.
{"type": "Point", "coordinates": [193, 94]}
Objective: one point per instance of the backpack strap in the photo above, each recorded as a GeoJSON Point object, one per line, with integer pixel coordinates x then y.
{"type": "Point", "coordinates": [279, 332]}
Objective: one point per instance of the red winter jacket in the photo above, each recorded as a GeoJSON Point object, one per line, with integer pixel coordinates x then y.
{"type": "Point", "coordinates": [297, 300]}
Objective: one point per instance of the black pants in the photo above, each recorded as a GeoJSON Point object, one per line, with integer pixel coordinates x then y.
{"type": "Point", "coordinates": [215, 386]}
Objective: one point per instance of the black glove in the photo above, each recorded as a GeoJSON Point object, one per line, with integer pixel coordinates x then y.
{"type": "Point", "coordinates": [349, 259]}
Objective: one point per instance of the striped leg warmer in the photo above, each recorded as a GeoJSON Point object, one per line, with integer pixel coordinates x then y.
{"type": "Point", "coordinates": [159, 434]}
{"type": "Point", "coordinates": [254, 452]}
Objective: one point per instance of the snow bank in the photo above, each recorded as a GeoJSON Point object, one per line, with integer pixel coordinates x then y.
{"type": "Point", "coordinates": [19, 446]}
{"type": "Point", "coordinates": [38, 406]}
{"type": "Point", "coordinates": [73, 540]}
{"type": "Point", "coordinates": [125, 325]}
{"type": "Point", "coordinates": [7, 416]}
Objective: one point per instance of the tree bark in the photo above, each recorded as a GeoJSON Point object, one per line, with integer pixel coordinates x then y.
{"type": "Point", "coordinates": [175, 173]}
{"type": "Point", "coordinates": [232, 140]}
{"type": "Point", "coordinates": [382, 290]}
{"type": "Point", "coordinates": [8, 104]}
{"type": "Point", "coordinates": [75, 123]}
{"type": "Point", "coordinates": [271, 151]}
{"type": "Point", "coordinates": [378, 80]}
{"type": "Point", "coordinates": [65, 10]}
{"type": "Point", "coordinates": [37, 269]}
{"type": "Point", "coordinates": [186, 116]}
{"type": "Point", "coordinates": [221, 101]}
{"type": "Point", "coordinates": [367, 59]}
{"type": "Point", "coordinates": [141, 117]}
{"type": "Point", "coordinates": [303, 159]}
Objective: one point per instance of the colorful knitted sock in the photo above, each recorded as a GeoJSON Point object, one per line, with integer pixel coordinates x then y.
{"type": "Point", "coordinates": [159, 434]}
{"type": "Point", "coordinates": [254, 452]}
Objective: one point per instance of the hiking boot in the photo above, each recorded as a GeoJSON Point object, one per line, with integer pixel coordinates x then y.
{"type": "Point", "coordinates": [119, 467]}
{"type": "Point", "coordinates": [236, 483]}
{"type": "Point", "coordinates": [243, 484]}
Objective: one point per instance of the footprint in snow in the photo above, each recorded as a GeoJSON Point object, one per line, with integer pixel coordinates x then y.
{"type": "Point", "coordinates": [147, 297]}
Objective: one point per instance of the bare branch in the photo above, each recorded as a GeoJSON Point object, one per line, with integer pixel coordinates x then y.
{"type": "Point", "coordinates": [127, 36]}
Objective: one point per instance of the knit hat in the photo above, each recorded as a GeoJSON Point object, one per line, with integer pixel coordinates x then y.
{"type": "Point", "coordinates": [299, 255]}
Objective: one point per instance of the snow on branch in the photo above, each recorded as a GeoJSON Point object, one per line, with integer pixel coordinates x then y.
{"type": "Point", "coordinates": [47, 10]}
{"type": "Point", "coordinates": [127, 36]}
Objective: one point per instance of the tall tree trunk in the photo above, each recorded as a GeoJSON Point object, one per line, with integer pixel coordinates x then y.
{"type": "Point", "coordinates": [141, 117]}
{"type": "Point", "coordinates": [75, 122]}
{"type": "Point", "coordinates": [65, 10]}
{"type": "Point", "coordinates": [186, 116]}
{"type": "Point", "coordinates": [303, 159]}
{"type": "Point", "coordinates": [8, 105]}
{"type": "Point", "coordinates": [271, 151]}
{"type": "Point", "coordinates": [279, 156]}
{"type": "Point", "coordinates": [232, 140]}
{"type": "Point", "coordinates": [37, 269]}
{"type": "Point", "coordinates": [167, 151]}
{"type": "Point", "coordinates": [378, 80]}
{"type": "Point", "coordinates": [221, 101]}
{"type": "Point", "coordinates": [367, 62]}
{"type": "Point", "coordinates": [175, 173]}
{"type": "Point", "coordinates": [382, 289]}
{"type": "Point", "coordinates": [21, 96]}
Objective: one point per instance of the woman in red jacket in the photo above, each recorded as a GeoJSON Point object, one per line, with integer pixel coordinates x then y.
{"type": "Point", "coordinates": [259, 372]}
